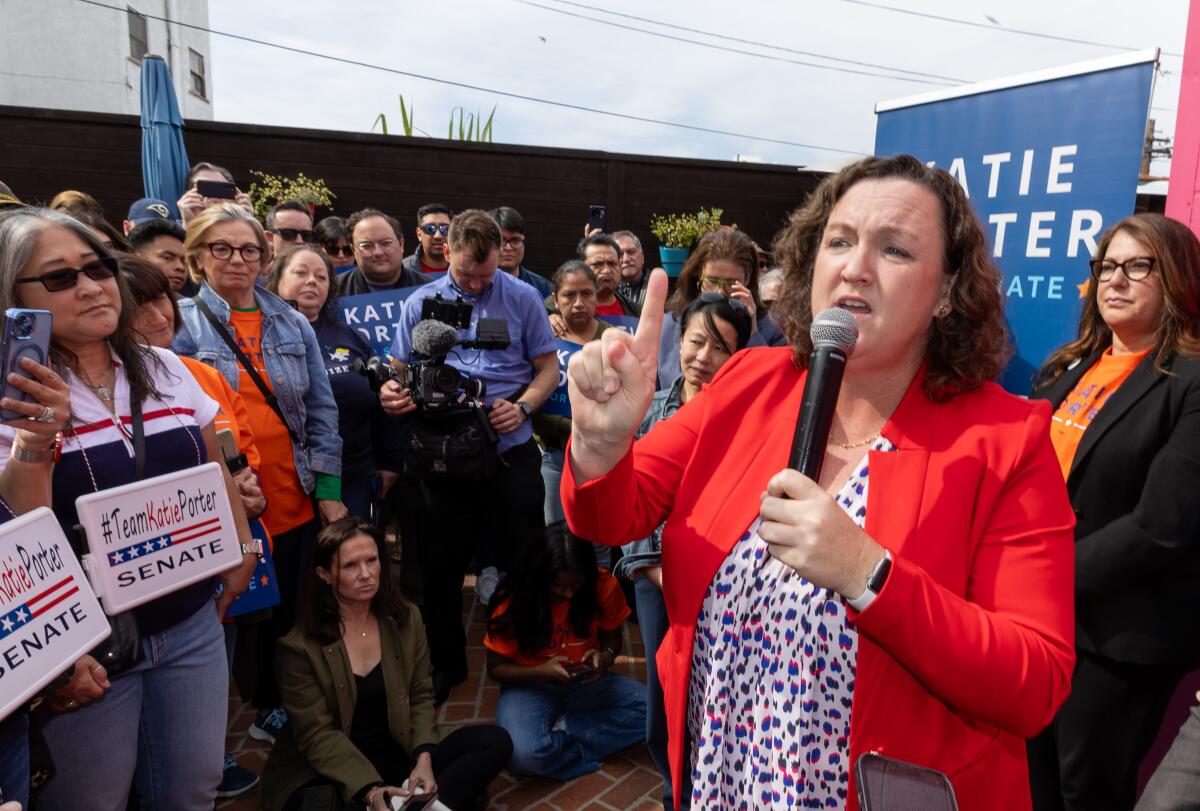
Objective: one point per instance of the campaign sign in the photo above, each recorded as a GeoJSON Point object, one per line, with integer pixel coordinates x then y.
{"type": "Point", "coordinates": [1049, 160]}
{"type": "Point", "coordinates": [375, 315]}
{"type": "Point", "coordinates": [628, 323]}
{"type": "Point", "coordinates": [49, 616]}
{"type": "Point", "coordinates": [559, 403]}
{"type": "Point", "coordinates": [152, 537]}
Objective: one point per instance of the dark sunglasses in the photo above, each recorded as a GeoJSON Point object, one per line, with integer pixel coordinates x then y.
{"type": "Point", "coordinates": [99, 269]}
{"type": "Point", "coordinates": [290, 234]}
{"type": "Point", "coordinates": [431, 228]}
{"type": "Point", "coordinates": [336, 250]}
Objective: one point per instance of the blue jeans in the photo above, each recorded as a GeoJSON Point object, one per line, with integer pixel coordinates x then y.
{"type": "Point", "coordinates": [552, 468]}
{"type": "Point", "coordinates": [161, 725]}
{"type": "Point", "coordinates": [14, 757]}
{"type": "Point", "coordinates": [563, 731]}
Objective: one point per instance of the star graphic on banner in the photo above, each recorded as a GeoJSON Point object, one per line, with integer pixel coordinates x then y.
{"type": "Point", "coordinates": [147, 548]}
{"type": "Point", "coordinates": [264, 579]}
{"type": "Point", "coordinates": [8, 624]}
{"type": "Point", "coordinates": [22, 615]}
{"type": "Point", "coordinates": [164, 542]}
{"type": "Point", "coordinates": [120, 555]}
{"type": "Point", "coordinates": [1082, 288]}
{"type": "Point", "coordinates": [133, 552]}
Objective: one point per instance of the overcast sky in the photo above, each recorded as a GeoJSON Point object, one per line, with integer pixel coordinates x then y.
{"type": "Point", "coordinates": [516, 47]}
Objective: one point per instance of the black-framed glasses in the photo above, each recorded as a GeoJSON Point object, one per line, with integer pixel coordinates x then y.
{"type": "Point", "coordinates": [290, 234]}
{"type": "Point", "coordinates": [515, 242]}
{"type": "Point", "coordinates": [431, 228]}
{"type": "Point", "coordinates": [1135, 268]}
{"type": "Point", "coordinates": [224, 251]}
{"type": "Point", "coordinates": [338, 250]}
{"type": "Point", "coordinates": [99, 269]}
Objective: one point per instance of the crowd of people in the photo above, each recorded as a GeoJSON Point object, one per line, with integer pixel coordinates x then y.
{"type": "Point", "coordinates": [989, 585]}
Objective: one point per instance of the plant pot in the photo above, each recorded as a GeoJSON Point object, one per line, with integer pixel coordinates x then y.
{"type": "Point", "coordinates": [673, 259]}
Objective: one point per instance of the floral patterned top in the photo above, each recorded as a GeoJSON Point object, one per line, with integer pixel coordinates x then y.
{"type": "Point", "coordinates": [772, 680]}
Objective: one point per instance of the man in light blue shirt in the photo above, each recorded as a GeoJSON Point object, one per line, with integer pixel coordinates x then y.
{"type": "Point", "coordinates": [492, 519]}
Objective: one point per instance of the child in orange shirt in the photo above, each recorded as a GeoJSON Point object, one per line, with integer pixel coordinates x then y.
{"type": "Point", "coordinates": [554, 633]}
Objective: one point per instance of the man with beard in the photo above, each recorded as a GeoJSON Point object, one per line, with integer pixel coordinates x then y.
{"type": "Point", "coordinates": [512, 249]}
{"type": "Point", "coordinates": [433, 222]}
{"type": "Point", "coordinates": [379, 253]}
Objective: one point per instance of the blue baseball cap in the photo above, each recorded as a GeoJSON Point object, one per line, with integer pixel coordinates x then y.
{"type": "Point", "coordinates": [149, 208]}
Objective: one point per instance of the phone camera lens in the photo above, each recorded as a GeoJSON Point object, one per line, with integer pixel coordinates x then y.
{"type": "Point", "coordinates": [24, 326]}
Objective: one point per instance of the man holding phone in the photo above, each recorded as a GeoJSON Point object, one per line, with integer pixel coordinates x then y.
{"type": "Point", "coordinates": [209, 184]}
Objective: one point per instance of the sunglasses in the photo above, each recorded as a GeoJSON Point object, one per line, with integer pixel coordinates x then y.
{"type": "Point", "coordinates": [430, 228]}
{"type": "Point", "coordinates": [719, 284]}
{"type": "Point", "coordinates": [338, 250]}
{"type": "Point", "coordinates": [99, 269]}
{"type": "Point", "coordinates": [290, 234]}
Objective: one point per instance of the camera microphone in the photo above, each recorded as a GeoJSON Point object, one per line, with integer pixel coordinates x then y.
{"type": "Point", "coordinates": [434, 339]}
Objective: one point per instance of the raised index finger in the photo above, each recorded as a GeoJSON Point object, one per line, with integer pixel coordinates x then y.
{"type": "Point", "coordinates": [649, 330]}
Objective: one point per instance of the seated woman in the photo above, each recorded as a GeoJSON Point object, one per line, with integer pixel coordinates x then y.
{"type": "Point", "coordinates": [554, 613]}
{"type": "Point", "coordinates": [714, 327]}
{"type": "Point", "coordinates": [355, 680]}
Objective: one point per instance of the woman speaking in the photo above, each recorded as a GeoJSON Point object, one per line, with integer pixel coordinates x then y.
{"type": "Point", "coordinates": [916, 600]}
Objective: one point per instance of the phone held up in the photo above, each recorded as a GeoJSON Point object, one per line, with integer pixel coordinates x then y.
{"type": "Point", "coordinates": [218, 189]}
{"type": "Point", "coordinates": [26, 334]}
{"type": "Point", "coordinates": [597, 218]}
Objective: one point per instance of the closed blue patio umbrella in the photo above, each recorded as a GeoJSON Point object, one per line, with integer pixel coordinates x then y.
{"type": "Point", "coordinates": [164, 160]}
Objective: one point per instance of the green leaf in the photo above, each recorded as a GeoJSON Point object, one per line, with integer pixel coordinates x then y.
{"type": "Point", "coordinates": [406, 119]}
{"type": "Point", "coordinates": [381, 120]}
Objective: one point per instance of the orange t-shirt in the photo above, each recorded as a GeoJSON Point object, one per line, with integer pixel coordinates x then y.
{"type": "Point", "coordinates": [288, 506]}
{"type": "Point", "coordinates": [1081, 406]}
{"type": "Point", "coordinates": [563, 642]}
{"type": "Point", "coordinates": [231, 411]}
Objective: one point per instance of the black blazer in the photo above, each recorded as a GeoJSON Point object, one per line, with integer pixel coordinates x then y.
{"type": "Point", "coordinates": [1135, 487]}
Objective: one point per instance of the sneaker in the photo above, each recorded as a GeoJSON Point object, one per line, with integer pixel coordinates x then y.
{"type": "Point", "coordinates": [235, 781]}
{"type": "Point", "coordinates": [268, 725]}
{"type": "Point", "coordinates": [485, 584]}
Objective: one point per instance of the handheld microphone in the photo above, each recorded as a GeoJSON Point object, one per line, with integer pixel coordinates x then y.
{"type": "Point", "coordinates": [833, 333]}
{"type": "Point", "coordinates": [433, 339]}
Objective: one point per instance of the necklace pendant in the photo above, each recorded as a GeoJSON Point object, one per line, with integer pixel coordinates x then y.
{"type": "Point", "coordinates": [104, 393]}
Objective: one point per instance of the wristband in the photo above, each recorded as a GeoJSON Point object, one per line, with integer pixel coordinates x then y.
{"type": "Point", "coordinates": [23, 454]}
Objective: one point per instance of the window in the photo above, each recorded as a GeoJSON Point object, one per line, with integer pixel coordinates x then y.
{"type": "Point", "coordinates": [139, 40]}
{"type": "Point", "coordinates": [196, 68]}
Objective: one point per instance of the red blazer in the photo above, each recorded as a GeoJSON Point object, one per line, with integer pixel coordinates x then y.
{"type": "Point", "coordinates": [969, 648]}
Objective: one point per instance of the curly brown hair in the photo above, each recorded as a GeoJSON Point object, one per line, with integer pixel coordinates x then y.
{"type": "Point", "coordinates": [964, 349]}
{"type": "Point", "coordinates": [1176, 253]}
{"type": "Point", "coordinates": [729, 245]}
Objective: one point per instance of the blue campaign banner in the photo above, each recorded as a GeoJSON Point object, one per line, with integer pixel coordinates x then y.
{"type": "Point", "coordinates": [375, 315]}
{"type": "Point", "coordinates": [559, 403]}
{"type": "Point", "coordinates": [626, 322]}
{"type": "Point", "coordinates": [1049, 161]}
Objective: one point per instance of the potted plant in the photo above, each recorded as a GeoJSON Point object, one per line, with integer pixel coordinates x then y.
{"type": "Point", "coordinates": [677, 234]}
{"type": "Point", "coordinates": [269, 190]}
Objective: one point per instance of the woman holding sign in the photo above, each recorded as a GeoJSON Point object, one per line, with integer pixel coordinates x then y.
{"type": "Point", "coordinates": [915, 598]}
{"type": "Point", "coordinates": [162, 721]}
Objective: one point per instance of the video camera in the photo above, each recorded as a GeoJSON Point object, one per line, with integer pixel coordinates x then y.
{"type": "Point", "coordinates": [436, 386]}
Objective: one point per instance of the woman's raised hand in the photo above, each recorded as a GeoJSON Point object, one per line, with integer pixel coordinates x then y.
{"type": "Point", "coordinates": [610, 382]}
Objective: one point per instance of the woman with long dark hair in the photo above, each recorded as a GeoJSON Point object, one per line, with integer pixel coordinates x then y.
{"type": "Point", "coordinates": [553, 636]}
{"type": "Point", "coordinates": [355, 680]}
{"type": "Point", "coordinates": [1127, 433]}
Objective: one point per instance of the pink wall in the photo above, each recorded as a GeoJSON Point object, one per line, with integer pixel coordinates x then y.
{"type": "Point", "coordinates": [1183, 195]}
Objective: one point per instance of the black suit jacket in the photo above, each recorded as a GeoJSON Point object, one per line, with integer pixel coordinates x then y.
{"type": "Point", "coordinates": [1135, 487]}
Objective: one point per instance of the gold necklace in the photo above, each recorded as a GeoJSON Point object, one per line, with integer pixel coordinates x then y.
{"type": "Point", "coordinates": [852, 445]}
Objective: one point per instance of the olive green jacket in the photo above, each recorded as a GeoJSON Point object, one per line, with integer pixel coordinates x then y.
{"type": "Point", "coordinates": [318, 690]}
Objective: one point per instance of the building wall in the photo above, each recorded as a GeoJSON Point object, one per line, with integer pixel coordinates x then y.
{"type": "Point", "coordinates": [64, 55]}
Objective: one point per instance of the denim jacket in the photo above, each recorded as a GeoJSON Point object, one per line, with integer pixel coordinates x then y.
{"type": "Point", "coordinates": [663, 404]}
{"type": "Point", "coordinates": [294, 369]}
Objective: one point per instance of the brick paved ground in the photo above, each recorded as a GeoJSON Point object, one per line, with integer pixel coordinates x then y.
{"type": "Point", "coordinates": [627, 781]}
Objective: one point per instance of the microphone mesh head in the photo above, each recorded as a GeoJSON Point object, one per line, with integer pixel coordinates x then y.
{"type": "Point", "coordinates": [433, 338]}
{"type": "Point", "coordinates": [834, 327]}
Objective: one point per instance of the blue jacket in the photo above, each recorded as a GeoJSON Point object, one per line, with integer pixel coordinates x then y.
{"type": "Point", "coordinates": [295, 372]}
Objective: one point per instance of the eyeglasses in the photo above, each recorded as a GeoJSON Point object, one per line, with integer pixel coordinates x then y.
{"type": "Point", "coordinates": [290, 234]}
{"type": "Point", "coordinates": [431, 228]}
{"type": "Point", "coordinates": [720, 284]}
{"type": "Point", "coordinates": [338, 250]}
{"type": "Point", "coordinates": [1135, 268]}
{"type": "Point", "coordinates": [369, 247]}
{"type": "Point", "coordinates": [515, 242]}
{"type": "Point", "coordinates": [223, 251]}
{"type": "Point", "coordinates": [99, 269]}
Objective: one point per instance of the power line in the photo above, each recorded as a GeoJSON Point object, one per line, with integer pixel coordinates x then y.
{"type": "Point", "coordinates": [464, 85]}
{"type": "Point", "coordinates": [998, 27]}
{"type": "Point", "coordinates": [729, 38]}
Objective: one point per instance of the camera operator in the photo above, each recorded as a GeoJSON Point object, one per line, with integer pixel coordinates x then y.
{"type": "Point", "coordinates": [493, 514]}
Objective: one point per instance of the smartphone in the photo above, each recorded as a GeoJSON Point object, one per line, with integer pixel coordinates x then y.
{"type": "Point", "coordinates": [221, 189]}
{"type": "Point", "coordinates": [597, 218]}
{"type": "Point", "coordinates": [885, 784]}
{"type": "Point", "coordinates": [578, 671]}
{"type": "Point", "coordinates": [235, 460]}
{"type": "Point", "coordinates": [26, 334]}
{"type": "Point", "coordinates": [414, 802]}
